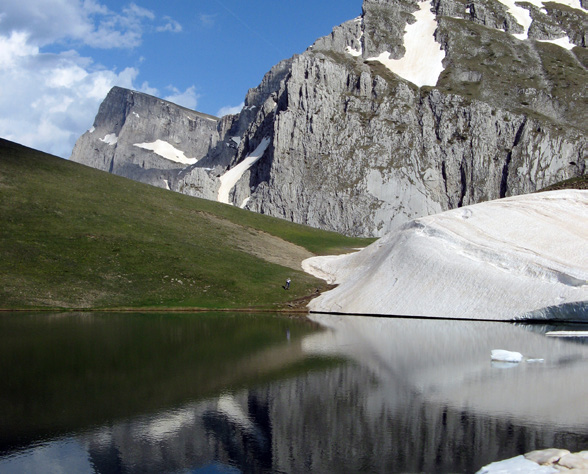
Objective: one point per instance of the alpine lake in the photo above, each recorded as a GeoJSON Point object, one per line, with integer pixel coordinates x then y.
{"type": "Point", "coordinates": [238, 392]}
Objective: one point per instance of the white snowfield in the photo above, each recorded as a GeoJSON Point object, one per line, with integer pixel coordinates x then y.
{"type": "Point", "coordinates": [561, 42]}
{"type": "Point", "coordinates": [523, 17]}
{"type": "Point", "coordinates": [110, 139]}
{"type": "Point", "coordinates": [502, 355]}
{"type": "Point", "coordinates": [498, 260]}
{"type": "Point", "coordinates": [167, 151]}
{"type": "Point", "coordinates": [230, 178]}
{"type": "Point", "coordinates": [422, 62]}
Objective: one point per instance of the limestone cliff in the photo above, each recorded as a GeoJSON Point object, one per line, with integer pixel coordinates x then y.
{"type": "Point", "coordinates": [145, 138]}
{"type": "Point", "coordinates": [410, 109]}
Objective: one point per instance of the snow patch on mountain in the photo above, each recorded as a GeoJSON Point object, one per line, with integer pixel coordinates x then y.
{"type": "Point", "coordinates": [353, 52]}
{"type": "Point", "coordinates": [523, 17]}
{"type": "Point", "coordinates": [498, 260]}
{"type": "Point", "coordinates": [110, 139]}
{"type": "Point", "coordinates": [167, 151]}
{"type": "Point", "coordinates": [230, 178]}
{"type": "Point", "coordinates": [562, 42]}
{"type": "Point", "coordinates": [422, 62]}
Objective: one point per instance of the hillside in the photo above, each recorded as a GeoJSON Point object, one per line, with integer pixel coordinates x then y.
{"type": "Point", "coordinates": [76, 237]}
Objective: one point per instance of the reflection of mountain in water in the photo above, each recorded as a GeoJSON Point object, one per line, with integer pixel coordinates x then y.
{"type": "Point", "coordinates": [417, 396]}
{"type": "Point", "coordinates": [338, 421]}
{"type": "Point", "coordinates": [227, 431]}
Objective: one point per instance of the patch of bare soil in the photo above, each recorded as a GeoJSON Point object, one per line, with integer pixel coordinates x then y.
{"type": "Point", "coordinates": [265, 246]}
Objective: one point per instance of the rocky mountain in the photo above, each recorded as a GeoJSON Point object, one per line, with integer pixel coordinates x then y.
{"type": "Point", "coordinates": [410, 109]}
{"type": "Point", "coordinates": [145, 138]}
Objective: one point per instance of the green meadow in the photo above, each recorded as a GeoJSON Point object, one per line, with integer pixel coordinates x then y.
{"type": "Point", "coordinates": [72, 237]}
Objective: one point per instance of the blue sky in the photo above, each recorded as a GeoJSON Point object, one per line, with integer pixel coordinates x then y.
{"type": "Point", "coordinates": [59, 58]}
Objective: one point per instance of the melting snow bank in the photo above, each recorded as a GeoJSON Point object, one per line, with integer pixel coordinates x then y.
{"type": "Point", "coordinates": [542, 461]}
{"type": "Point", "coordinates": [500, 260]}
{"type": "Point", "coordinates": [230, 178]}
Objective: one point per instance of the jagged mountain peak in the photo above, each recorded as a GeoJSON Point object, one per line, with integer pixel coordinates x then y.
{"type": "Point", "coordinates": [407, 110]}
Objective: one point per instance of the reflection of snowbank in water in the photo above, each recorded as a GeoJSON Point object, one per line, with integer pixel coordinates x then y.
{"type": "Point", "coordinates": [498, 260]}
{"type": "Point", "coordinates": [449, 362]}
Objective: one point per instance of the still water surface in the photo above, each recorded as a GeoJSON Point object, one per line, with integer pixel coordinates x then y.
{"type": "Point", "coordinates": [266, 393]}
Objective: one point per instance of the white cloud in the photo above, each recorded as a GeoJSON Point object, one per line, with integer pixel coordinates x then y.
{"type": "Point", "coordinates": [87, 21]}
{"type": "Point", "coordinates": [229, 110]}
{"type": "Point", "coordinates": [114, 30]}
{"type": "Point", "coordinates": [188, 98]}
{"type": "Point", "coordinates": [48, 108]}
{"type": "Point", "coordinates": [147, 89]}
{"type": "Point", "coordinates": [47, 100]}
{"type": "Point", "coordinates": [171, 25]}
{"type": "Point", "coordinates": [14, 48]}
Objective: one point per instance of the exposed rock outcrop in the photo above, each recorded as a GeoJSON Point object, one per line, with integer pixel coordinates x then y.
{"type": "Point", "coordinates": [410, 109]}
{"type": "Point", "coordinates": [145, 138]}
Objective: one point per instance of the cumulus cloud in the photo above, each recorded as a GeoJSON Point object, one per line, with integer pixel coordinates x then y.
{"type": "Point", "coordinates": [47, 100]}
{"type": "Point", "coordinates": [87, 21]}
{"type": "Point", "coordinates": [230, 110]}
{"type": "Point", "coordinates": [188, 98]}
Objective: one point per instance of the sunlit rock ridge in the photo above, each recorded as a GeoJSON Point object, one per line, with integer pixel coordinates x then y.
{"type": "Point", "coordinates": [145, 138]}
{"type": "Point", "coordinates": [410, 109]}
{"type": "Point", "coordinates": [523, 257]}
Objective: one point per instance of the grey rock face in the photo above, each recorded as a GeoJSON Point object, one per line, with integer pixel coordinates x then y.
{"type": "Point", "coordinates": [127, 119]}
{"type": "Point", "coordinates": [358, 149]}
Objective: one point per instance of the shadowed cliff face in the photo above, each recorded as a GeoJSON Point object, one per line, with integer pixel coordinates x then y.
{"type": "Point", "coordinates": [360, 145]}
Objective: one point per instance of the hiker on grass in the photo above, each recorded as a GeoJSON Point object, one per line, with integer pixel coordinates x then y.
{"type": "Point", "coordinates": [287, 284]}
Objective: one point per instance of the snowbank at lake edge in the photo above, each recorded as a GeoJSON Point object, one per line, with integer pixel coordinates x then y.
{"type": "Point", "coordinates": [498, 260]}
{"type": "Point", "coordinates": [543, 461]}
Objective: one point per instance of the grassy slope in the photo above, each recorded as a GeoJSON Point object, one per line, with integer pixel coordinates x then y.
{"type": "Point", "coordinates": [75, 237]}
{"type": "Point", "coordinates": [581, 182]}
